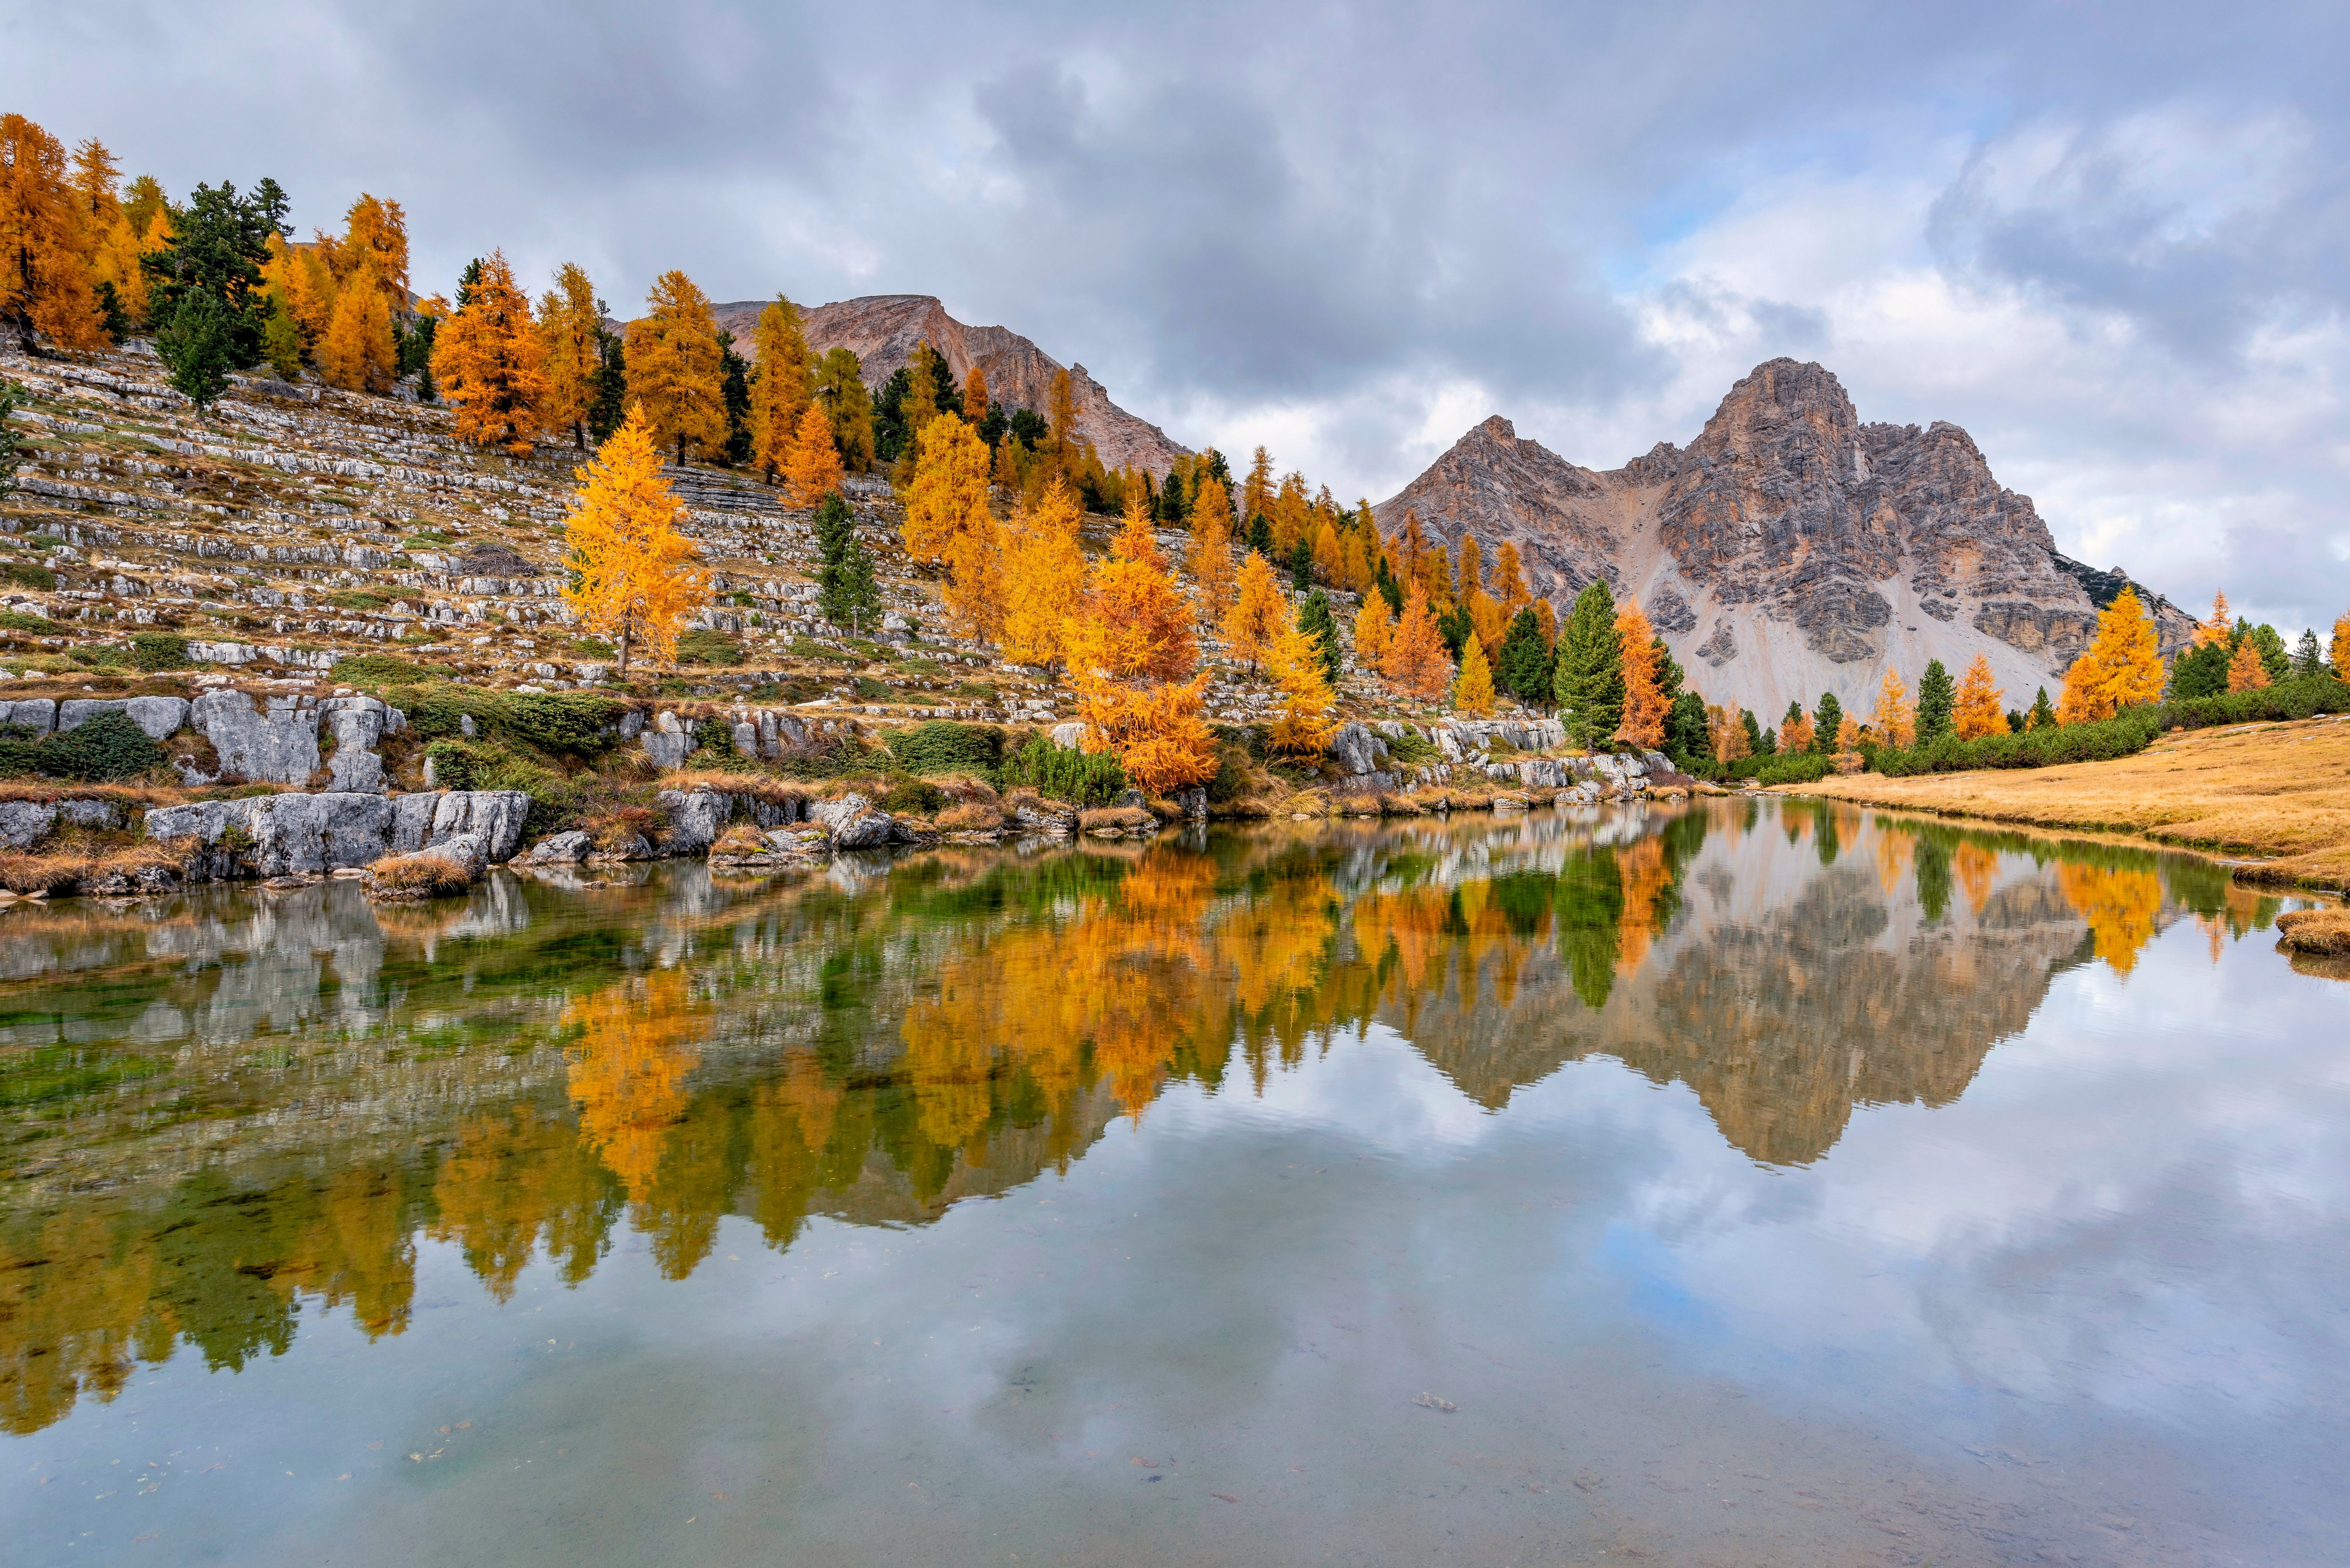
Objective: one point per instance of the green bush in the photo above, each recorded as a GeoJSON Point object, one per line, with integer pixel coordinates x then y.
{"type": "Point", "coordinates": [158, 650]}
{"type": "Point", "coordinates": [908, 795]}
{"type": "Point", "coordinates": [704, 646]}
{"type": "Point", "coordinates": [1066, 773]}
{"type": "Point", "coordinates": [2124, 734]}
{"type": "Point", "coordinates": [565, 723]}
{"type": "Point", "coordinates": [493, 765]}
{"type": "Point", "coordinates": [25, 575]}
{"type": "Point", "coordinates": [2296, 698]}
{"type": "Point", "coordinates": [1800, 767]}
{"type": "Point", "coordinates": [106, 748]}
{"type": "Point", "coordinates": [941, 746]}
{"type": "Point", "coordinates": [18, 621]}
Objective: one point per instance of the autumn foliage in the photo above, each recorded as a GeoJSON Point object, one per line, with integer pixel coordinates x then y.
{"type": "Point", "coordinates": [1645, 703]}
{"type": "Point", "coordinates": [2122, 667]}
{"type": "Point", "coordinates": [674, 367]}
{"type": "Point", "coordinates": [1416, 661]}
{"type": "Point", "coordinates": [1977, 712]}
{"type": "Point", "coordinates": [491, 362]}
{"type": "Point", "coordinates": [634, 577]}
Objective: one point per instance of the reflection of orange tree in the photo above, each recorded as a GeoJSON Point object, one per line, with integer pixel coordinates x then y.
{"type": "Point", "coordinates": [72, 1327]}
{"type": "Point", "coordinates": [506, 1181]}
{"type": "Point", "coordinates": [2119, 904]}
{"type": "Point", "coordinates": [1977, 867]}
{"type": "Point", "coordinates": [628, 1068]}
{"type": "Point", "coordinates": [1646, 878]}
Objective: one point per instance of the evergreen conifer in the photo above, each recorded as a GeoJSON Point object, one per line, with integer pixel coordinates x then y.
{"type": "Point", "coordinates": [1826, 719]}
{"type": "Point", "coordinates": [2043, 712]}
{"type": "Point", "coordinates": [1523, 669]}
{"type": "Point", "coordinates": [845, 575]}
{"type": "Point", "coordinates": [1589, 686]}
{"type": "Point", "coordinates": [1313, 618]}
{"type": "Point", "coordinates": [1937, 696]}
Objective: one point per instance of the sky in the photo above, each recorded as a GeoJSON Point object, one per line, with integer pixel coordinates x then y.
{"type": "Point", "coordinates": [2108, 240]}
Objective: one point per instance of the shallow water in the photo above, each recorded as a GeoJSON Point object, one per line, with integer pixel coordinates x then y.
{"type": "Point", "coordinates": [1763, 1183]}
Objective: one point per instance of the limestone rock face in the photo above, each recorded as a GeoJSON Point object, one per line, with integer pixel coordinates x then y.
{"type": "Point", "coordinates": [696, 818]}
{"type": "Point", "coordinates": [1791, 548]}
{"type": "Point", "coordinates": [357, 723]}
{"type": "Point", "coordinates": [36, 716]}
{"type": "Point", "coordinates": [274, 742]}
{"type": "Point", "coordinates": [155, 716]}
{"type": "Point", "coordinates": [882, 330]}
{"type": "Point", "coordinates": [854, 823]}
{"type": "Point", "coordinates": [297, 835]}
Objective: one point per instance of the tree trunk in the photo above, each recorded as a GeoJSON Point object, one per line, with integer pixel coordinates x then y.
{"type": "Point", "coordinates": [579, 434]}
{"type": "Point", "coordinates": [624, 653]}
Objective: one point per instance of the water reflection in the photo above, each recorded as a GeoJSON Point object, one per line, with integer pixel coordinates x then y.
{"type": "Point", "coordinates": [230, 1108]}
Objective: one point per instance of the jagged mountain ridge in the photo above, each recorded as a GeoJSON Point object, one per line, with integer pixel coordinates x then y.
{"type": "Point", "coordinates": [1791, 549]}
{"type": "Point", "coordinates": [882, 330]}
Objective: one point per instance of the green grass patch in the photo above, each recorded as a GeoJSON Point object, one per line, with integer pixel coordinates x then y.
{"type": "Point", "coordinates": [940, 746]}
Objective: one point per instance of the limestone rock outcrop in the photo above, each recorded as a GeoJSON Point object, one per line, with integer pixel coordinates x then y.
{"type": "Point", "coordinates": [304, 835]}
{"type": "Point", "coordinates": [1791, 549]}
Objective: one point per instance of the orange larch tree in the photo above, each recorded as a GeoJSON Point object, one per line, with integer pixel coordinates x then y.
{"type": "Point", "coordinates": [675, 367]}
{"type": "Point", "coordinates": [974, 394]}
{"type": "Point", "coordinates": [1374, 630]}
{"type": "Point", "coordinates": [1416, 661]}
{"type": "Point", "coordinates": [570, 317]}
{"type": "Point", "coordinates": [1043, 574]}
{"type": "Point", "coordinates": [1472, 688]}
{"type": "Point", "coordinates": [782, 388]}
{"type": "Point", "coordinates": [1211, 548]}
{"type": "Point", "coordinates": [1132, 651]}
{"type": "Point", "coordinates": [357, 353]}
{"type": "Point", "coordinates": [1894, 720]}
{"type": "Point", "coordinates": [45, 283]}
{"type": "Point", "coordinates": [1294, 659]}
{"type": "Point", "coordinates": [635, 579]}
{"type": "Point", "coordinates": [1257, 611]}
{"type": "Point", "coordinates": [2245, 672]}
{"type": "Point", "coordinates": [2122, 667]}
{"type": "Point", "coordinates": [1977, 712]}
{"type": "Point", "coordinates": [1645, 704]}
{"type": "Point", "coordinates": [491, 364]}
{"type": "Point", "coordinates": [948, 494]}
{"type": "Point", "coordinates": [812, 467]}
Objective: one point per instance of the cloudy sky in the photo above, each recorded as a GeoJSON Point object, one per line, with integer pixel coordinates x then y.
{"type": "Point", "coordinates": [2108, 240]}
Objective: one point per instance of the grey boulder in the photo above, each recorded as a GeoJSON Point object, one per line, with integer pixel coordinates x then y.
{"type": "Point", "coordinates": [274, 743]}
{"type": "Point", "coordinates": [696, 818]}
{"type": "Point", "coordinates": [155, 716]}
{"type": "Point", "coordinates": [852, 823]}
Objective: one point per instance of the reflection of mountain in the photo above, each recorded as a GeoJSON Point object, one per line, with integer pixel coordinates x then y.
{"type": "Point", "coordinates": [222, 1103]}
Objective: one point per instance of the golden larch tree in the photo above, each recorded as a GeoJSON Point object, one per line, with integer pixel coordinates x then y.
{"type": "Point", "coordinates": [2217, 628]}
{"type": "Point", "coordinates": [635, 577]}
{"type": "Point", "coordinates": [357, 353]}
{"type": "Point", "coordinates": [782, 388]}
{"type": "Point", "coordinates": [2245, 672]}
{"type": "Point", "coordinates": [1043, 576]}
{"type": "Point", "coordinates": [1374, 630]}
{"type": "Point", "coordinates": [1061, 421]}
{"type": "Point", "coordinates": [1725, 729]}
{"type": "Point", "coordinates": [1416, 661]}
{"type": "Point", "coordinates": [675, 367]}
{"type": "Point", "coordinates": [490, 362]}
{"type": "Point", "coordinates": [812, 466]}
{"type": "Point", "coordinates": [1487, 621]}
{"type": "Point", "coordinates": [1847, 745]}
{"type": "Point", "coordinates": [1472, 688]}
{"type": "Point", "coordinates": [2340, 650]}
{"type": "Point", "coordinates": [1149, 630]}
{"type": "Point", "coordinates": [1131, 696]}
{"type": "Point", "coordinates": [1257, 490]}
{"type": "Point", "coordinates": [1795, 735]}
{"type": "Point", "coordinates": [45, 283]}
{"type": "Point", "coordinates": [2122, 667]}
{"type": "Point", "coordinates": [1257, 611]}
{"type": "Point", "coordinates": [948, 494]}
{"type": "Point", "coordinates": [1135, 541]}
{"type": "Point", "coordinates": [1294, 659]}
{"type": "Point", "coordinates": [374, 242]}
{"type": "Point", "coordinates": [1211, 559]}
{"type": "Point", "coordinates": [1509, 585]}
{"type": "Point", "coordinates": [1645, 704]}
{"type": "Point", "coordinates": [974, 394]}
{"type": "Point", "coordinates": [1976, 712]}
{"type": "Point", "coordinates": [569, 318]}
{"type": "Point", "coordinates": [1894, 720]}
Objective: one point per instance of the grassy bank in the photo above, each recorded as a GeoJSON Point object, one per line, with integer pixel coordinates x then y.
{"type": "Point", "coordinates": [2279, 792]}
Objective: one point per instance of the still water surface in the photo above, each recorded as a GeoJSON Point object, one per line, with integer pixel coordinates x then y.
{"type": "Point", "coordinates": [1764, 1183]}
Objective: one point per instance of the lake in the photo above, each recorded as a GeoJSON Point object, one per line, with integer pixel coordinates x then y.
{"type": "Point", "coordinates": [1758, 1182]}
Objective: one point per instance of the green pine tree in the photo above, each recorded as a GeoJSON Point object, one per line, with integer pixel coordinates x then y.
{"type": "Point", "coordinates": [1301, 565]}
{"type": "Point", "coordinates": [2201, 671]}
{"type": "Point", "coordinates": [2308, 658]}
{"type": "Point", "coordinates": [1260, 535]}
{"type": "Point", "coordinates": [198, 343]}
{"type": "Point", "coordinates": [845, 584]}
{"type": "Point", "coordinates": [1314, 619]}
{"type": "Point", "coordinates": [734, 392]}
{"type": "Point", "coordinates": [1524, 668]}
{"type": "Point", "coordinates": [218, 244]}
{"type": "Point", "coordinates": [1172, 510]}
{"type": "Point", "coordinates": [1589, 686]}
{"type": "Point", "coordinates": [1826, 719]}
{"type": "Point", "coordinates": [1937, 694]}
{"type": "Point", "coordinates": [1754, 733]}
{"type": "Point", "coordinates": [608, 407]}
{"type": "Point", "coordinates": [1686, 740]}
{"type": "Point", "coordinates": [2273, 657]}
{"type": "Point", "coordinates": [2043, 712]}
{"type": "Point", "coordinates": [12, 445]}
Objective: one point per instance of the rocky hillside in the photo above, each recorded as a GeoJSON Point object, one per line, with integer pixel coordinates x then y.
{"type": "Point", "coordinates": [882, 330]}
{"type": "Point", "coordinates": [1791, 549]}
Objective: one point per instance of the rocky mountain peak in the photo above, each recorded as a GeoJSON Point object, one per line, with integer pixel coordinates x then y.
{"type": "Point", "coordinates": [883, 330]}
{"type": "Point", "coordinates": [1790, 549]}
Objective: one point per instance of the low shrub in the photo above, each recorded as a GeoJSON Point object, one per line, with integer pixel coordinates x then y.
{"type": "Point", "coordinates": [106, 748]}
{"type": "Point", "coordinates": [2122, 735]}
{"type": "Point", "coordinates": [25, 575]}
{"type": "Point", "coordinates": [616, 825]}
{"type": "Point", "coordinates": [32, 625]}
{"type": "Point", "coordinates": [943, 746]}
{"type": "Point", "coordinates": [708, 646]}
{"type": "Point", "coordinates": [419, 875]}
{"type": "Point", "coordinates": [1065, 772]}
{"type": "Point", "coordinates": [909, 796]}
{"type": "Point", "coordinates": [562, 723]}
{"type": "Point", "coordinates": [1793, 767]}
{"type": "Point", "coordinates": [1412, 749]}
{"type": "Point", "coordinates": [1118, 817]}
{"type": "Point", "coordinates": [739, 839]}
{"type": "Point", "coordinates": [158, 650]}
{"type": "Point", "coordinates": [2300, 698]}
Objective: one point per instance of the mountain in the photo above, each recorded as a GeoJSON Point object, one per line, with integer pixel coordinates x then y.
{"type": "Point", "coordinates": [1791, 549]}
{"type": "Point", "coordinates": [882, 329]}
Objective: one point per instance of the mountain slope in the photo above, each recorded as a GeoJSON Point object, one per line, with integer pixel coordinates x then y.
{"type": "Point", "coordinates": [1791, 549]}
{"type": "Point", "coordinates": [882, 330]}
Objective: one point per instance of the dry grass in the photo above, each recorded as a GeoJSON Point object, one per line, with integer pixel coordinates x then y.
{"type": "Point", "coordinates": [2280, 790]}
{"type": "Point", "coordinates": [739, 839]}
{"type": "Point", "coordinates": [608, 828]}
{"type": "Point", "coordinates": [420, 875]}
{"type": "Point", "coordinates": [69, 865]}
{"type": "Point", "coordinates": [969, 817]}
{"type": "Point", "coordinates": [2325, 931]}
{"type": "Point", "coordinates": [1118, 816]}
{"type": "Point", "coordinates": [758, 787]}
